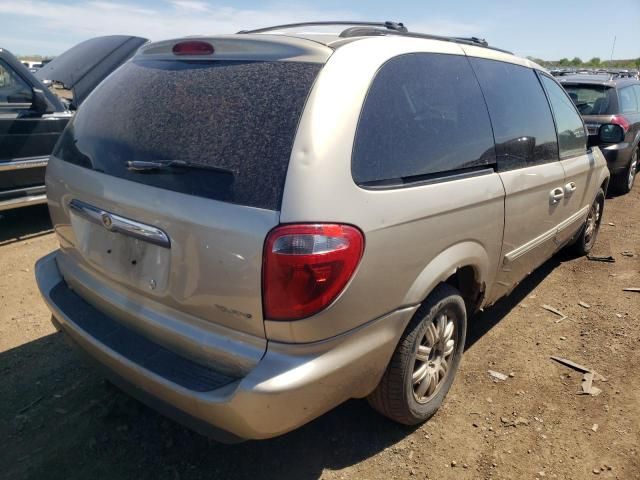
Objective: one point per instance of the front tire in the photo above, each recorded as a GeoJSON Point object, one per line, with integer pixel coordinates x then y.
{"type": "Point", "coordinates": [589, 232]}
{"type": "Point", "coordinates": [425, 361]}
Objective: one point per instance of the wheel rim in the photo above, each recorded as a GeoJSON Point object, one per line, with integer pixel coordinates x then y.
{"type": "Point", "coordinates": [633, 168]}
{"type": "Point", "coordinates": [592, 223]}
{"type": "Point", "coordinates": [433, 357]}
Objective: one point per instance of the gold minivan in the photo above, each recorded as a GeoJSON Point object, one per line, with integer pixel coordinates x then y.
{"type": "Point", "coordinates": [257, 227]}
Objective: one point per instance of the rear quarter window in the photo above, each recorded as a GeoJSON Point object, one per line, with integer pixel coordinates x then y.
{"type": "Point", "coordinates": [239, 116]}
{"type": "Point", "coordinates": [424, 116]}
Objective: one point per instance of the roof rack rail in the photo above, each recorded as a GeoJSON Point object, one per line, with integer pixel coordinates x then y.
{"type": "Point", "coordinates": [357, 29]}
{"type": "Point", "coordinates": [475, 41]}
{"type": "Point", "coordinates": [393, 26]}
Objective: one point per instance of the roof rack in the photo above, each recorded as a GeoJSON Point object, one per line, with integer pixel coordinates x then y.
{"type": "Point", "coordinates": [358, 29]}
{"type": "Point", "coordinates": [398, 27]}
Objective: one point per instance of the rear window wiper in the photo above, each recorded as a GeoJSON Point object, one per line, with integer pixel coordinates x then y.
{"type": "Point", "coordinates": [149, 166]}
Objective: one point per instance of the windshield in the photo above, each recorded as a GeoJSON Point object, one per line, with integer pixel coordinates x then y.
{"type": "Point", "coordinates": [590, 99]}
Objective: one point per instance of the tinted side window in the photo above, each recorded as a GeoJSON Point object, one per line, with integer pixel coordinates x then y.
{"type": "Point", "coordinates": [424, 115]}
{"type": "Point", "coordinates": [520, 114]}
{"type": "Point", "coordinates": [628, 103]}
{"type": "Point", "coordinates": [572, 136]}
{"type": "Point", "coordinates": [12, 88]}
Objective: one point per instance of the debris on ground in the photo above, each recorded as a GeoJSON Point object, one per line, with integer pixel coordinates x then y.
{"type": "Point", "coordinates": [627, 253]}
{"type": "Point", "coordinates": [506, 422]}
{"type": "Point", "coordinates": [584, 304]}
{"type": "Point", "coordinates": [551, 309]}
{"type": "Point", "coordinates": [631, 289]}
{"type": "Point", "coordinates": [595, 427]}
{"type": "Point", "coordinates": [601, 258]}
{"type": "Point", "coordinates": [497, 375]}
{"type": "Point", "coordinates": [587, 385]}
{"type": "Point", "coordinates": [587, 379]}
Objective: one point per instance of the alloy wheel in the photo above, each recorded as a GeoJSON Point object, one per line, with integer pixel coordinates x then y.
{"type": "Point", "coordinates": [633, 168]}
{"type": "Point", "coordinates": [433, 357]}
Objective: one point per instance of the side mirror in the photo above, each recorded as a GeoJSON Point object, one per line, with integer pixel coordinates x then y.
{"type": "Point", "coordinates": [39, 104]}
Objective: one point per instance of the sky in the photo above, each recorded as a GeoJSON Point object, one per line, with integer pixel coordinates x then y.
{"type": "Point", "coordinates": [547, 29]}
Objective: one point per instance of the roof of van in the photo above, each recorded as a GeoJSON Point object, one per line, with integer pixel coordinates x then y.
{"type": "Point", "coordinates": [316, 41]}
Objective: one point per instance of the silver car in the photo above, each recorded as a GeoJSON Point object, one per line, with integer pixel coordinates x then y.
{"type": "Point", "coordinates": [257, 227]}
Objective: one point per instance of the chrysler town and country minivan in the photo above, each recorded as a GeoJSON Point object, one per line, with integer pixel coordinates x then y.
{"type": "Point", "coordinates": [257, 227]}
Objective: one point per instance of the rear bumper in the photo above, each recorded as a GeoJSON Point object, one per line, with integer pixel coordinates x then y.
{"type": "Point", "coordinates": [291, 385]}
{"type": "Point", "coordinates": [618, 156]}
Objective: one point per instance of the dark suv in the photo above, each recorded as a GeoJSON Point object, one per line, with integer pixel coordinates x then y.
{"type": "Point", "coordinates": [610, 106]}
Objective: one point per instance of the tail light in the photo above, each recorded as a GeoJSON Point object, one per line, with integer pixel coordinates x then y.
{"type": "Point", "coordinates": [192, 47]}
{"type": "Point", "coordinates": [306, 267]}
{"type": "Point", "coordinates": [621, 122]}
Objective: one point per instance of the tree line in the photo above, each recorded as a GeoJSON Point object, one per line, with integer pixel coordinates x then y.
{"type": "Point", "coordinates": [595, 62]}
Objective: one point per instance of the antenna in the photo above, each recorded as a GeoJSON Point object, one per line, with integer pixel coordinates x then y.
{"type": "Point", "coordinates": [613, 48]}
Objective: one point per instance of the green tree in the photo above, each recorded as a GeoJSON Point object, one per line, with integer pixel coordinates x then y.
{"type": "Point", "coordinates": [564, 62]}
{"type": "Point", "coordinates": [637, 62]}
{"type": "Point", "coordinates": [576, 62]}
{"type": "Point", "coordinates": [595, 62]}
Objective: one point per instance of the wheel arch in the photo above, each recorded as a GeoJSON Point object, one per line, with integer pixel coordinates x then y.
{"type": "Point", "coordinates": [465, 265]}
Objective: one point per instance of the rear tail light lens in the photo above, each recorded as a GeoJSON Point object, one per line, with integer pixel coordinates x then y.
{"type": "Point", "coordinates": [193, 47]}
{"type": "Point", "coordinates": [307, 266]}
{"type": "Point", "coordinates": [621, 121]}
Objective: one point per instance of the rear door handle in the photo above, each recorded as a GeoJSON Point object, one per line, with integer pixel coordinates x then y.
{"type": "Point", "coordinates": [570, 187]}
{"type": "Point", "coordinates": [556, 194]}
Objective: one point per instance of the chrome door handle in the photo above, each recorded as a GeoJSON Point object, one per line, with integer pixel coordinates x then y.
{"type": "Point", "coordinates": [570, 187]}
{"type": "Point", "coordinates": [557, 194]}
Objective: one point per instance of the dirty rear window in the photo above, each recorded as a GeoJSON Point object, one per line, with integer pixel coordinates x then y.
{"type": "Point", "coordinates": [238, 116]}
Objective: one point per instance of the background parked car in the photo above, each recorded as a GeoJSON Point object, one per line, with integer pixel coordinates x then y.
{"type": "Point", "coordinates": [32, 117]}
{"type": "Point", "coordinates": [610, 106]}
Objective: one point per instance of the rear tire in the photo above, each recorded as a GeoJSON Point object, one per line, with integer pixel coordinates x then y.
{"type": "Point", "coordinates": [429, 351]}
{"type": "Point", "coordinates": [624, 183]}
{"type": "Point", "coordinates": [589, 231]}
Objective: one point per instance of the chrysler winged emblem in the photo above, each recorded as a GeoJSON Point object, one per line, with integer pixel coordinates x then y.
{"type": "Point", "coordinates": [107, 221]}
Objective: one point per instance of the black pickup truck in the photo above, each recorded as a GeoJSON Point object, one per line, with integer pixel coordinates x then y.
{"type": "Point", "coordinates": [32, 116]}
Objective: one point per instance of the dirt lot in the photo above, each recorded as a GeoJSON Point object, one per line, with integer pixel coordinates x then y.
{"type": "Point", "coordinates": [59, 419]}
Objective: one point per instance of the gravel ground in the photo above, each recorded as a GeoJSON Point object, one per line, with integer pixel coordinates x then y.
{"type": "Point", "coordinates": [60, 419]}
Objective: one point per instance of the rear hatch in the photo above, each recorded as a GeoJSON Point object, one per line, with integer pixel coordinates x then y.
{"type": "Point", "coordinates": [165, 184]}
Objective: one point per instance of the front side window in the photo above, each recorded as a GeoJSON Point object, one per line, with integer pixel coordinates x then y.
{"type": "Point", "coordinates": [628, 102]}
{"type": "Point", "coordinates": [520, 114]}
{"type": "Point", "coordinates": [572, 136]}
{"type": "Point", "coordinates": [13, 90]}
{"type": "Point", "coordinates": [424, 116]}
